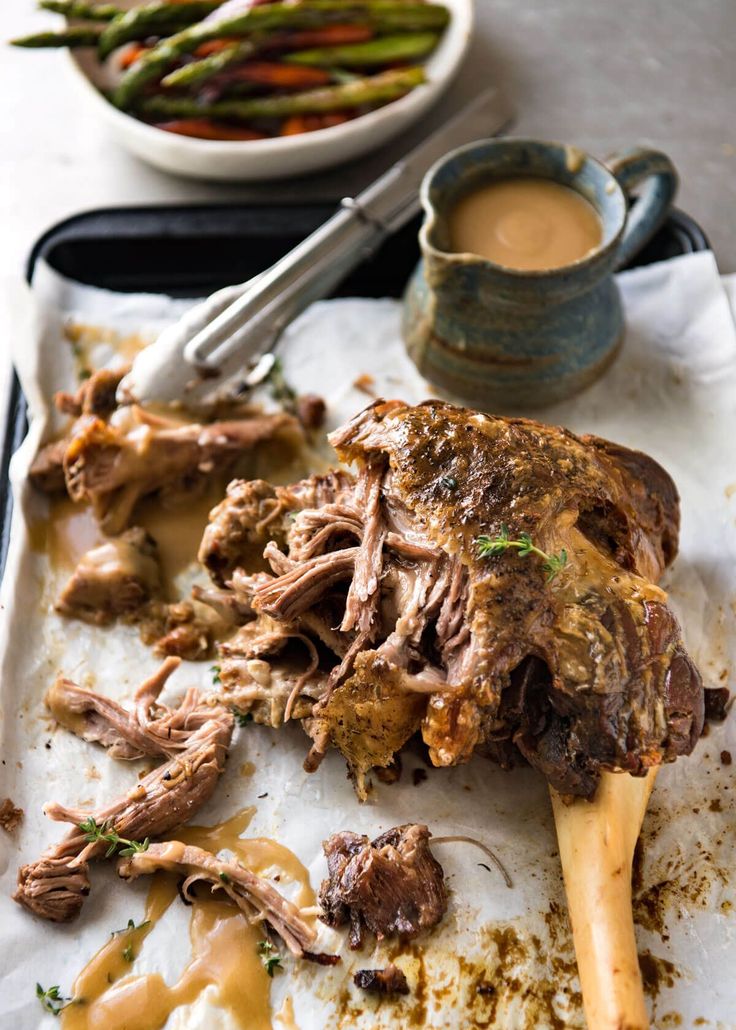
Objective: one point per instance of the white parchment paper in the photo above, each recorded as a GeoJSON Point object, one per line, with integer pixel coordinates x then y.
{"type": "Point", "coordinates": [672, 392]}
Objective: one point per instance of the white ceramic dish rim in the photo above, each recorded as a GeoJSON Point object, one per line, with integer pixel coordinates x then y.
{"type": "Point", "coordinates": [441, 67]}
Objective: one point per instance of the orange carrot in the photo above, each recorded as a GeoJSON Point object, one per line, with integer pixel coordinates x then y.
{"type": "Point", "coordinates": [131, 55]}
{"type": "Point", "coordinates": [214, 46]}
{"type": "Point", "coordinates": [299, 123]}
{"type": "Point", "coordinates": [205, 128]}
{"type": "Point", "coordinates": [287, 76]}
{"type": "Point", "coordinates": [329, 35]}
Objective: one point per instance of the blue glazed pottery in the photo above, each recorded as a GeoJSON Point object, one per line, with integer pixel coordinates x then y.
{"type": "Point", "coordinates": [502, 338]}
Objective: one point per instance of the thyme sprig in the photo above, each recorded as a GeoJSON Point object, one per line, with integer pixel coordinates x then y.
{"type": "Point", "coordinates": [51, 999]}
{"type": "Point", "coordinates": [242, 718]}
{"type": "Point", "coordinates": [94, 833]}
{"type": "Point", "coordinates": [488, 546]}
{"type": "Point", "coordinates": [269, 957]}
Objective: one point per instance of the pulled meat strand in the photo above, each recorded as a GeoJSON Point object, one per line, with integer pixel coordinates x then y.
{"type": "Point", "coordinates": [257, 899]}
{"type": "Point", "coordinates": [197, 735]}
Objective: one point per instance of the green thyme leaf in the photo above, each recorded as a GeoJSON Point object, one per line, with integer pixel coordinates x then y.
{"type": "Point", "coordinates": [51, 999]}
{"type": "Point", "coordinates": [242, 718]}
{"type": "Point", "coordinates": [489, 547]}
{"type": "Point", "coordinates": [269, 957]}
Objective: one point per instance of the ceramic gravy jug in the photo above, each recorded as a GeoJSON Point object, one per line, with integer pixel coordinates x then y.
{"type": "Point", "coordinates": [503, 338]}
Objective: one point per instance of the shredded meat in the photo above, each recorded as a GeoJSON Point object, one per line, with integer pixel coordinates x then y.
{"type": "Point", "coordinates": [391, 886]}
{"type": "Point", "coordinates": [116, 578]}
{"type": "Point", "coordinates": [254, 895]}
{"type": "Point", "coordinates": [10, 816]}
{"type": "Point", "coordinates": [96, 396]}
{"type": "Point", "coordinates": [113, 456]}
{"type": "Point", "coordinates": [390, 980]}
{"type": "Point", "coordinates": [195, 735]}
{"type": "Point", "coordinates": [255, 512]}
{"type": "Point", "coordinates": [417, 629]}
{"type": "Point", "coordinates": [112, 468]}
{"type": "Point", "coordinates": [185, 629]}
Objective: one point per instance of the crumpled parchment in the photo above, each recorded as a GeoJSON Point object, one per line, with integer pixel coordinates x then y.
{"type": "Point", "coordinates": [671, 392]}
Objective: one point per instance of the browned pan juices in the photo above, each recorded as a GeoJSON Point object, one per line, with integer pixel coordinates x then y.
{"type": "Point", "coordinates": [71, 529]}
{"type": "Point", "coordinates": [224, 946]}
{"type": "Point", "coordinates": [525, 223]}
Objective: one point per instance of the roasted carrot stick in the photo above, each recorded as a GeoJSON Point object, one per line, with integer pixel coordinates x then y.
{"type": "Point", "coordinates": [330, 35]}
{"type": "Point", "coordinates": [205, 128]}
{"type": "Point", "coordinates": [300, 123]}
{"type": "Point", "coordinates": [215, 46]}
{"type": "Point", "coordinates": [286, 76]}
{"type": "Point", "coordinates": [131, 55]}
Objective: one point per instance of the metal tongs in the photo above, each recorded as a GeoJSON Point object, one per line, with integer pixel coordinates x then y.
{"type": "Point", "coordinates": [223, 343]}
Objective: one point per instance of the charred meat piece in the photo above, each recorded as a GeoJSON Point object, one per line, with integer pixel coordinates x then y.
{"type": "Point", "coordinates": [419, 626]}
{"type": "Point", "coordinates": [198, 737]}
{"type": "Point", "coordinates": [111, 466]}
{"type": "Point", "coordinates": [391, 886]}
{"type": "Point", "coordinates": [716, 703]}
{"type": "Point", "coordinates": [254, 895]}
{"type": "Point", "coordinates": [116, 578]}
{"type": "Point", "coordinates": [390, 980]}
{"type": "Point", "coordinates": [96, 395]}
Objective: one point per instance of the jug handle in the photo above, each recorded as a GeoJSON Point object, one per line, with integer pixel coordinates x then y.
{"type": "Point", "coordinates": [658, 174]}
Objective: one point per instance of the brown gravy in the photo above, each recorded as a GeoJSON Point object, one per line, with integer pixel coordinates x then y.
{"type": "Point", "coordinates": [71, 530]}
{"type": "Point", "coordinates": [224, 947]}
{"type": "Point", "coordinates": [525, 223]}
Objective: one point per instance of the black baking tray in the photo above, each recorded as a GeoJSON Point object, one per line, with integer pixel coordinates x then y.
{"type": "Point", "coordinates": [191, 251]}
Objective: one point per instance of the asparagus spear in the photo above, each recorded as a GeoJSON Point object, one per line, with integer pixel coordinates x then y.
{"type": "Point", "coordinates": [213, 64]}
{"type": "Point", "coordinates": [376, 89]}
{"type": "Point", "coordinates": [79, 9]}
{"type": "Point", "coordinates": [389, 14]}
{"type": "Point", "coordinates": [384, 50]}
{"type": "Point", "coordinates": [71, 37]}
{"type": "Point", "coordinates": [199, 71]}
{"type": "Point", "coordinates": [152, 19]}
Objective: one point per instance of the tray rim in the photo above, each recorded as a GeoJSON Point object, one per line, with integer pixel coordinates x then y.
{"type": "Point", "coordinates": [15, 427]}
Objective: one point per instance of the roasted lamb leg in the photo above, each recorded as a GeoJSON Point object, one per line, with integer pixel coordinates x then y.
{"type": "Point", "coordinates": [427, 585]}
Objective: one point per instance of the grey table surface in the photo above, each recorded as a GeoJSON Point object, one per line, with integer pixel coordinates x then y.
{"type": "Point", "coordinates": [596, 73]}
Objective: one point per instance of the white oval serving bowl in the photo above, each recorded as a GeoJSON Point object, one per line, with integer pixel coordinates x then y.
{"type": "Point", "coordinates": [285, 156]}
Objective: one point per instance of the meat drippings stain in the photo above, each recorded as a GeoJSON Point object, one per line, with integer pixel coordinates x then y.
{"type": "Point", "coordinates": [224, 947]}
